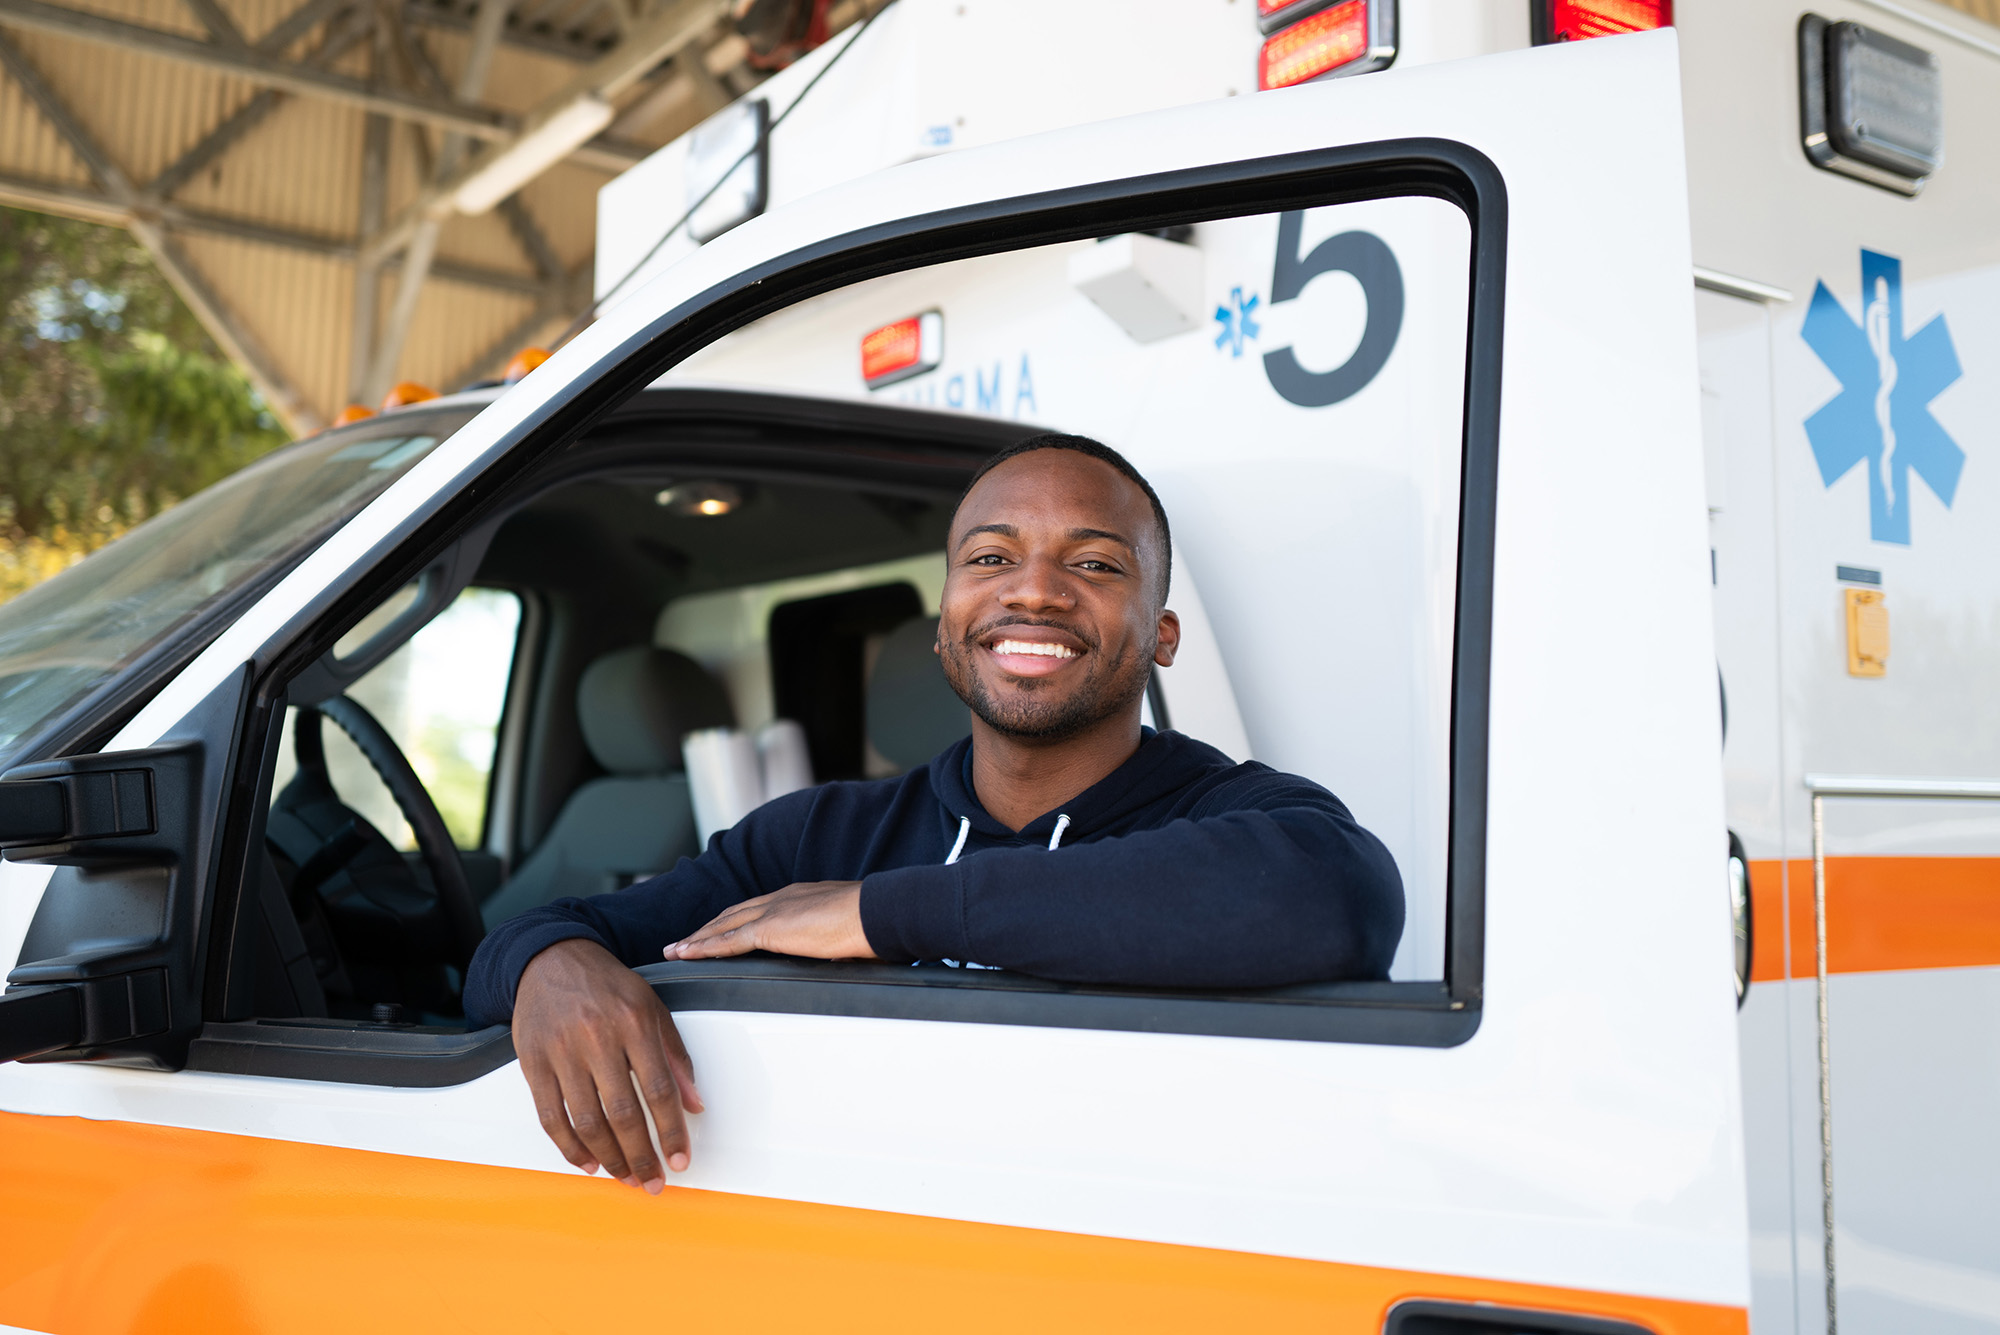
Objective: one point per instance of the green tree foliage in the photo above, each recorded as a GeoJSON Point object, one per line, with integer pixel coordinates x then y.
{"type": "Point", "coordinates": [114, 403]}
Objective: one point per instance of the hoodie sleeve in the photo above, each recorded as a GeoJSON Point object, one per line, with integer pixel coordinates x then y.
{"type": "Point", "coordinates": [1269, 881]}
{"type": "Point", "coordinates": [753, 857]}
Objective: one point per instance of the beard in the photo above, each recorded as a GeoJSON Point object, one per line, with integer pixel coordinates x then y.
{"type": "Point", "coordinates": [1034, 713]}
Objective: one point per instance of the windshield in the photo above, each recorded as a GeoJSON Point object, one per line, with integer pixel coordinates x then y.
{"type": "Point", "coordinates": [63, 637]}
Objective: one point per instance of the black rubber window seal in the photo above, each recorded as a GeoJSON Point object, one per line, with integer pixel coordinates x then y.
{"type": "Point", "coordinates": [1433, 1014]}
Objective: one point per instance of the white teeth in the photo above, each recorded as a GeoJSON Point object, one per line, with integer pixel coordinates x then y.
{"type": "Point", "coordinates": [1034, 647]}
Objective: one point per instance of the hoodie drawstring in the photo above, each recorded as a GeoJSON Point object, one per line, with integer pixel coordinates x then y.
{"type": "Point", "coordinates": [958, 847]}
{"type": "Point", "coordinates": [965, 829]}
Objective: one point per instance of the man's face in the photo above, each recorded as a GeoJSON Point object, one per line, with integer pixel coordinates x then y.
{"type": "Point", "coordinates": [1051, 619]}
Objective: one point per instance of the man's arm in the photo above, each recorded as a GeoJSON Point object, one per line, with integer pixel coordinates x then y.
{"type": "Point", "coordinates": [597, 1048]}
{"type": "Point", "coordinates": [1270, 882]}
{"type": "Point", "coordinates": [633, 925]}
{"type": "Point", "coordinates": [1280, 886]}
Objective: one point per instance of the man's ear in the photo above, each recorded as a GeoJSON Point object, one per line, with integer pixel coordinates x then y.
{"type": "Point", "coordinates": [1170, 639]}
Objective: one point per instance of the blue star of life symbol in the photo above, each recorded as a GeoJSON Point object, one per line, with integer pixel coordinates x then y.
{"type": "Point", "coordinates": [1882, 415]}
{"type": "Point", "coordinates": [1237, 321]}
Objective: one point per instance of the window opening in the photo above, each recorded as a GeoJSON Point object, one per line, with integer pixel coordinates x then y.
{"type": "Point", "coordinates": [1362, 307]}
{"type": "Point", "coordinates": [440, 697]}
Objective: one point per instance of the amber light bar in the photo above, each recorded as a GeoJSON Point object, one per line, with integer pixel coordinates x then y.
{"type": "Point", "coordinates": [903, 349]}
{"type": "Point", "coordinates": [1315, 45]}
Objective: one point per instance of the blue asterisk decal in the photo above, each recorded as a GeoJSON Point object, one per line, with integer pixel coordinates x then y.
{"type": "Point", "coordinates": [1237, 321]}
{"type": "Point", "coordinates": [1882, 414]}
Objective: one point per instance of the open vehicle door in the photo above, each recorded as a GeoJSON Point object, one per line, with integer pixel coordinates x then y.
{"type": "Point", "coordinates": [1440, 490]}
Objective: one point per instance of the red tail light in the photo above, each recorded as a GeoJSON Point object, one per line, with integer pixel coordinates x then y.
{"type": "Point", "coordinates": [903, 349]}
{"type": "Point", "coordinates": [1275, 14]}
{"type": "Point", "coordinates": [1315, 45]}
{"type": "Point", "coordinates": [1574, 20]}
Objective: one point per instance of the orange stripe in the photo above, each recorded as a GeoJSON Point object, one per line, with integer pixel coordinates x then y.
{"type": "Point", "coordinates": [115, 1226]}
{"type": "Point", "coordinates": [1881, 914]}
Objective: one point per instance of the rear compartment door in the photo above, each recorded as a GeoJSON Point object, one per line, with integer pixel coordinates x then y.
{"type": "Point", "coordinates": [1540, 1109]}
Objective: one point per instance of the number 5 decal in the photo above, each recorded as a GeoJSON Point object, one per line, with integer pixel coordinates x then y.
{"type": "Point", "coordinates": [1373, 265]}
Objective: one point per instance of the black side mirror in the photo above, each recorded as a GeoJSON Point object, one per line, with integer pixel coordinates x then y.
{"type": "Point", "coordinates": [108, 970]}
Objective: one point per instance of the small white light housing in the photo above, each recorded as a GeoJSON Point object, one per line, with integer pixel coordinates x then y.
{"type": "Point", "coordinates": [729, 154]}
{"type": "Point", "coordinates": [1872, 105]}
{"type": "Point", "coordinates": [1151, 287]}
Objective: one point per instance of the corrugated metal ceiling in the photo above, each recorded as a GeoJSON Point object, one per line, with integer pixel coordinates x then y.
{"type": "Point", "coordinates": [279, 157]}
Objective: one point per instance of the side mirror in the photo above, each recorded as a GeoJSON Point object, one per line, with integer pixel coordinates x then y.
{"type": "Point", "coordinates": [108, 969]}
{"type": "Point", "coordinates": [69, 806]}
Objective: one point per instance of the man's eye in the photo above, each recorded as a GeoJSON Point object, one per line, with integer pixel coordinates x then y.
{"type": "Point", "coordinates": [1104, 566]}
{"type": "Point", "coordinates": [988, 559]}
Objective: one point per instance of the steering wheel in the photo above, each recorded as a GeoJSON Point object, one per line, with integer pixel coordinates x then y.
{"type": "Point", "coordinates": [434, 843]}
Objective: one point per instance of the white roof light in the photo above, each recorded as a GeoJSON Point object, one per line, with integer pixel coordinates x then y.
{"type": "Point", "coordinates": [717, 150]}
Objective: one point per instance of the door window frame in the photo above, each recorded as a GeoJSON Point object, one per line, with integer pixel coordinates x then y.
{"type": "Point", "coordinates": [1431, 1014]}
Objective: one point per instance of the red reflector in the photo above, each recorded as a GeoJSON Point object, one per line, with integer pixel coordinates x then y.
{"type": "Point", "coordinates": [1314, 46]}
{"type": "Point", "coordinates": [1574, 20]}
{"type": "Point", "coordinates": [903, 349]}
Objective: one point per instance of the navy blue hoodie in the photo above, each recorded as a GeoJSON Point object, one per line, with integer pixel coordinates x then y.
{"type": "Point", "coordinates": [1179, 869]}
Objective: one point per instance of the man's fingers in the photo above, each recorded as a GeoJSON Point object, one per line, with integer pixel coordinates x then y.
{"type": "Point", "coordinates": [736, 915]}
{"type": "Point", "coordinates": [547, 1092]}
{"type": "Point", "coordinates": [735, 941]}
{"type": "Point", "coordinates": [723, 936]}
{"type": "Point", "coordinates": [627, 1116]}
{"type": "Point", "coordinates": [749, 908]}
{"type": "Point", "coordinates": [679, 1063]}
{"type": "Point", "coordinates": [586, 1114]}
{"type": "Point", "coordinates": [662, 1094]}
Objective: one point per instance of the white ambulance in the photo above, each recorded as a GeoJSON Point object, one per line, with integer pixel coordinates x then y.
{"type": "Point", "coordinates": [1500, 403]}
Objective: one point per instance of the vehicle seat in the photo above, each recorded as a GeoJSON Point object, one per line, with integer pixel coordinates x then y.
{"type": "Point", "coordinates": [912, 711]}
{"type": "Point", "coordinates": [634, 706]}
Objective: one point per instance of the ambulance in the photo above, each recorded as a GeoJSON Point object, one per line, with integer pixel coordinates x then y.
{"type": "Point", "coordinates": [1574, 420]}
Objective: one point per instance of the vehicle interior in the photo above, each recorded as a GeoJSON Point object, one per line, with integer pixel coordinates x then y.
{"type": "Point", "coordinates": [512, 725]}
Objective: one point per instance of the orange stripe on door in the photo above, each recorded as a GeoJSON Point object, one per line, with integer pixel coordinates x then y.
{"type": "Point", "coordinates": [1881, 914]}
{"type": "Point", "coordinates": [115, 1226]}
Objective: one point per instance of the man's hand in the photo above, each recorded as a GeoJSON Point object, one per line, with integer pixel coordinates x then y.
{"type": "Point", "coordinates": [584, 1027]}
{"type": "Point", "coordinates": [818, 919]}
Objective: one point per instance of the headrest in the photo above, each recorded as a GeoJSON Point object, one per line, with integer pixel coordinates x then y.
{"type": "Point", "coordinates": [635, 705]}
{"type": "Point", "coordinates": [912, 711]}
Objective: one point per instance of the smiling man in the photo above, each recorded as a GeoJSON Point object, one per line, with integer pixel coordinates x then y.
{"type": "Point", "coordinates": [1061, 839]}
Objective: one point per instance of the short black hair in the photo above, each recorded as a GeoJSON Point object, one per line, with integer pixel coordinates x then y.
{"type": "Point", "coordinates": [1095, 449]}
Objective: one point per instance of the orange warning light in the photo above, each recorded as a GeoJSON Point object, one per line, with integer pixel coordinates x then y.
{"type": "Point", "coordinates": [407, 393]}
{"type": "Point", "coordinates": [526, 360]}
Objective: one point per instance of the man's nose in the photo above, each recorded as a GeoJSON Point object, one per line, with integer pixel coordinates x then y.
{"type": "Point", "coordinates": [1040, 584]}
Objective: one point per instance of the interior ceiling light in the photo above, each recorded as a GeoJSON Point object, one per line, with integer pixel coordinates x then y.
{"type": "Point", "coordinates": [706, 498]}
